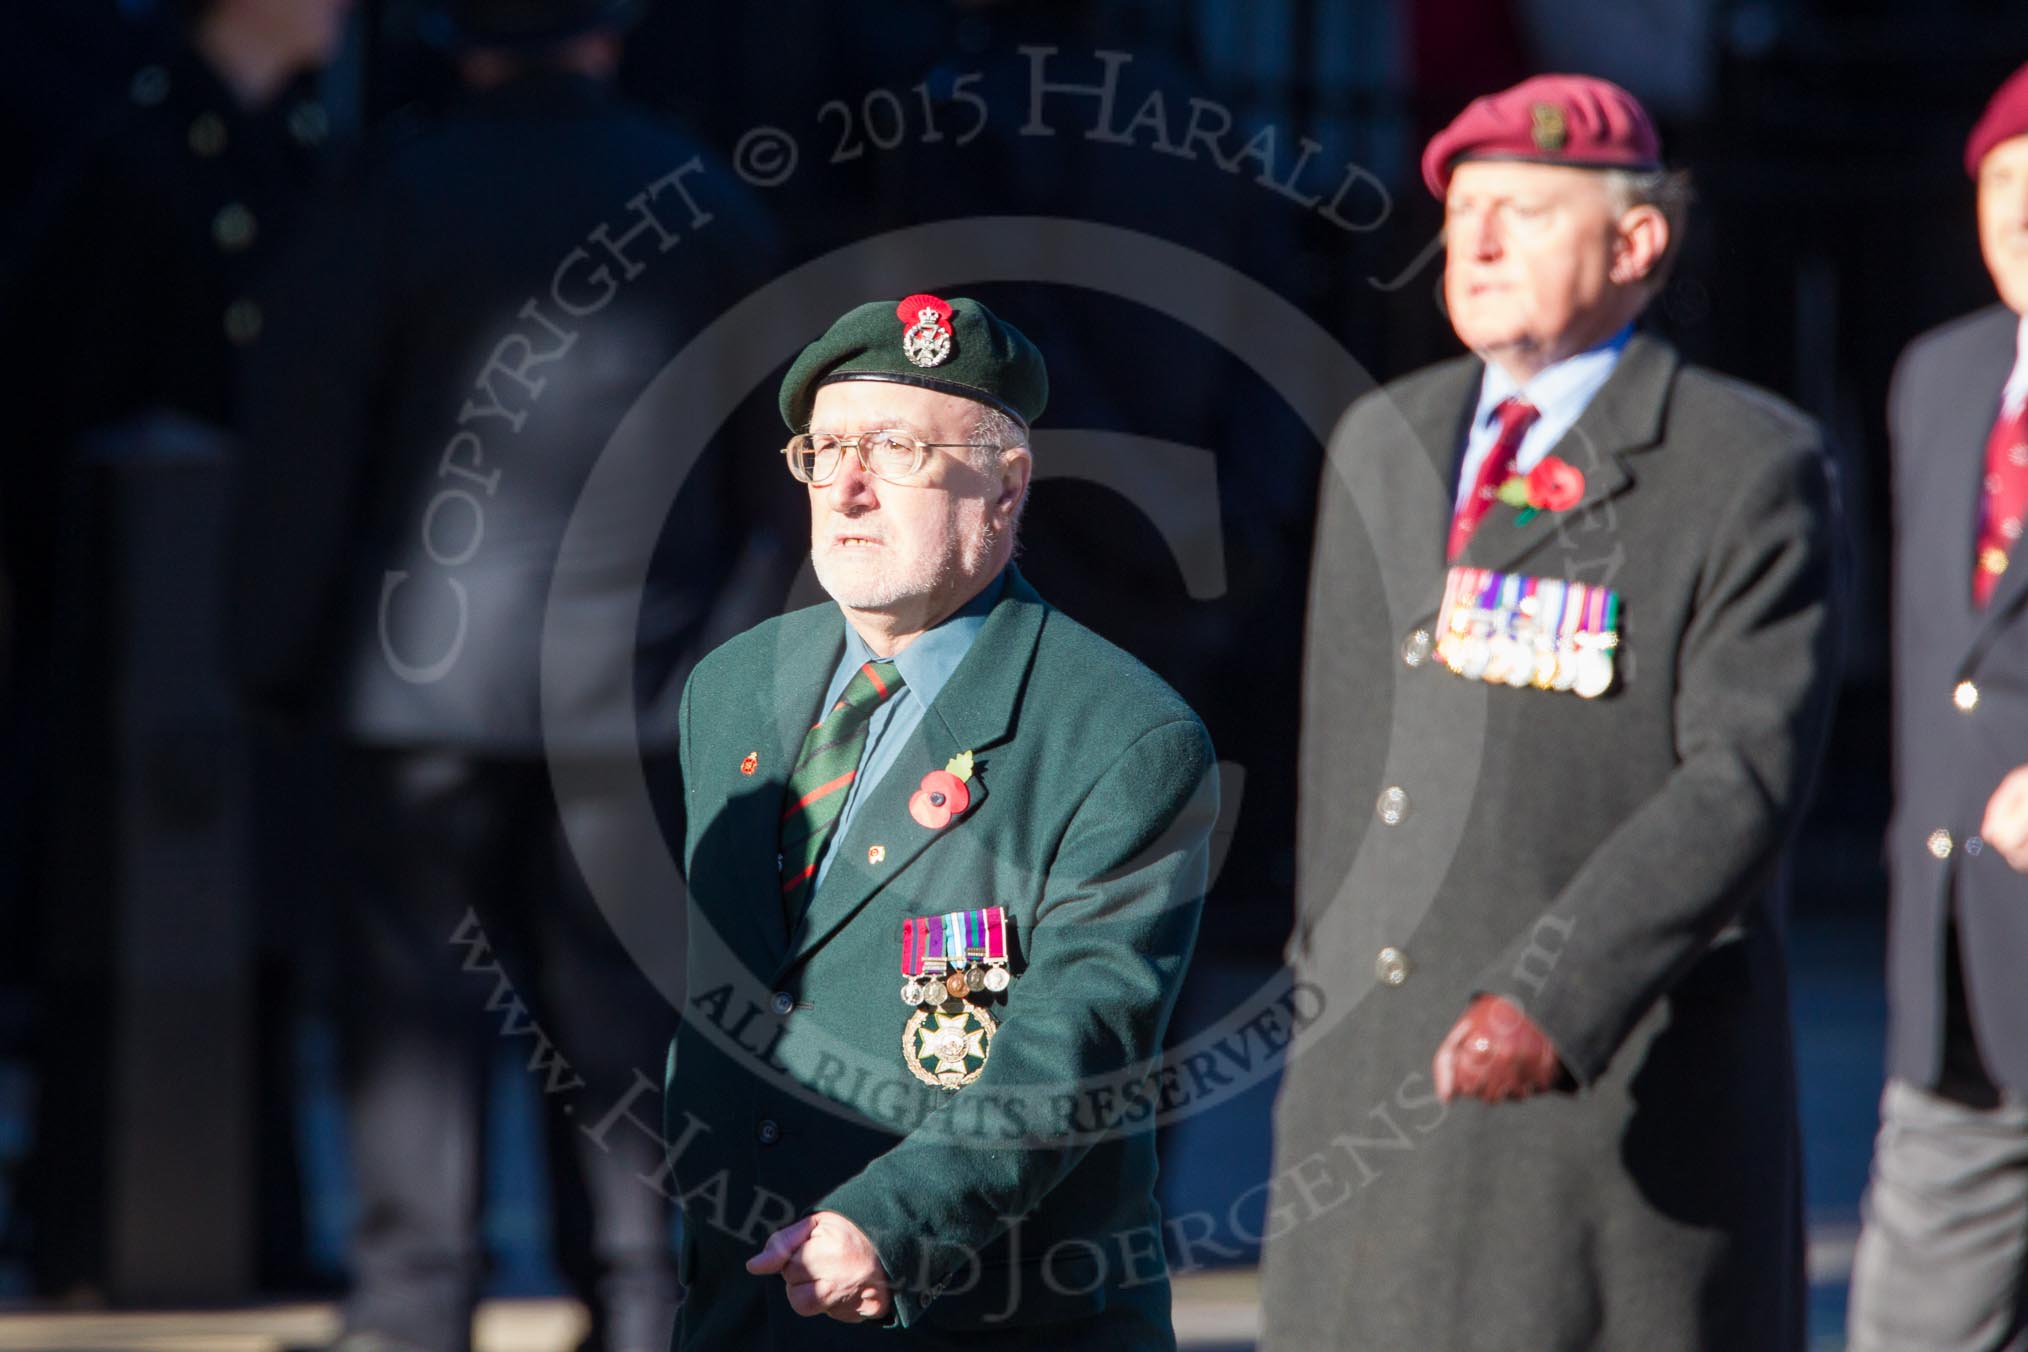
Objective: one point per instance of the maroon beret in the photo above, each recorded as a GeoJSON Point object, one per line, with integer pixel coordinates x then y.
{"type": "Point", "coordinates": [1549, 119]}
{"type": "Point", "coordinates": [2005, 118]}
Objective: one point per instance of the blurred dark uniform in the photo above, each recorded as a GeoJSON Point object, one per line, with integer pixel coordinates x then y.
{"type": "Point", "coordinates": [139, 285]}
{"type": "Point", "coordinates": [135, 292]}
{"type": "Point", "coordinates": [469, 328]}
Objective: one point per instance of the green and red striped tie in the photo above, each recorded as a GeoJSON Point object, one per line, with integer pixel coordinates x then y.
{"type": "Point", "coordinates": [822, 779]}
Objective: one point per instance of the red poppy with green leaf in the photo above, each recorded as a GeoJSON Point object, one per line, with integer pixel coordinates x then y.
{"type": "Point", "coordinates": [1554, 485]}
{"type": "Point", "coordinates": [943, 796]}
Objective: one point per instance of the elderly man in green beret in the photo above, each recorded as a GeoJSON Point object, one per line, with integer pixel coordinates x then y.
{"type": "Point", "coordinates": [938, 785]}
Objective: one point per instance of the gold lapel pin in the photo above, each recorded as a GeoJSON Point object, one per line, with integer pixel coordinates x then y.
{"type": "Point", "coordinates": [876, 854]}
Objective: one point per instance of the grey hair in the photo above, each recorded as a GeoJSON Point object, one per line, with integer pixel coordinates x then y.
{"type": "Point", "coordinates": [995, 432]}
{"type": "Point", "coordinates": [1669, 191]}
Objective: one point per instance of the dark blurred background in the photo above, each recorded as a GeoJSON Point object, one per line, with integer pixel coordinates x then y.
{"type": "Point", "coordinates": [165, 845]}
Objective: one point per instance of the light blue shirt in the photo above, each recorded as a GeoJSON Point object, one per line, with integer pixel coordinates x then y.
{"type": "Point", "coordinates": [926, 666]}
{"type": "Point", "coordinates": [1559, 393]}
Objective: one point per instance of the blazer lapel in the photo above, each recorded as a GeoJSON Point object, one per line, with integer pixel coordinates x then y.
{"type": "Point", "coordinates": [2006, 599]}
{"type": "Point", "coordinates": [783, 705]}
{"type": "Point", "coordinates": [1413, 529]}
{"type": "Point", "coordinates": [1962, 429]}
{"type": "Point", "coordinates": [973, 712]}
{"type": "Point", "coordinates": [1624, 416]}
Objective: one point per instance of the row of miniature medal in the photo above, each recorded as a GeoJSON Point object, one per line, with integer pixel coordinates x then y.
{"type": "Point", "coordinates": [950, 956]}
{"type": "Point", "coordinates": [1509, 629]}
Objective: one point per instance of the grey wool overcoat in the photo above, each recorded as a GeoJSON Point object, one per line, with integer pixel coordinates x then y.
{"type": "Point", "coordinates": [1611, 865]}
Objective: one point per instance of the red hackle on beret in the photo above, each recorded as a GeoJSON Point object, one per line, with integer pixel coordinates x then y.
{"type": "Point", "coordinates": [911, 308]}
{"type": "Point", "coordinates": [2005, 118]}
{"type": "Point", "coordinates": [1550, 119]}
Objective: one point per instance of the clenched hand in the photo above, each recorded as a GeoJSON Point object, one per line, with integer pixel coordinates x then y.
{"type": "Point", "coordinates": [830, 1268]}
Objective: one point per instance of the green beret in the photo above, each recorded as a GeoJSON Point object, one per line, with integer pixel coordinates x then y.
{"type": "Point", "coordinates": [957, 346]}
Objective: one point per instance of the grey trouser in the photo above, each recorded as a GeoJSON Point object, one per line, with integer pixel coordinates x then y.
{"type": "Point", "coordinates": [1940, 1261]}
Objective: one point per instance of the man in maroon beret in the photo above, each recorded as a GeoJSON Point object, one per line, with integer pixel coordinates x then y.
{"type": "Point", "coordinates": [1571, 658]}
{"type": "Point", "coordinates": [1940, 1264]}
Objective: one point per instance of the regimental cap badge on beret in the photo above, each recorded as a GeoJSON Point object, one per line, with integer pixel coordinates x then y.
{"type": "Point", "coordinates": [1547, 127]}
{"type": "Point", "coordinates": [955, 346]}
{"type": "Point", "coordinates": [926, 332]}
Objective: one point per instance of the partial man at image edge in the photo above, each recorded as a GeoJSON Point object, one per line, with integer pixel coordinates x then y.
{"type": "Point", "coordinates": [939, 785]}
{"type": "Point", "coordinates": [1944, 1242]}
{"type": "Point", "coordinates": [480, 324]}
{"type": "Point", "coordinates": [1572, 652]}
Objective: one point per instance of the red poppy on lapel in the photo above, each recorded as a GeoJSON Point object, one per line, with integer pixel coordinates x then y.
{"type": "Point", "coordinates": [939, 800]}
{"type": "Point", "coordinates": [1555, 485]}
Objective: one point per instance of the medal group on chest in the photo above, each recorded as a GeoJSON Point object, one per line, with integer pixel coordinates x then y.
{"type": "Point", "coordinates": [946, 961]}
{"type": "Point", "coordinates": [1545, 632]}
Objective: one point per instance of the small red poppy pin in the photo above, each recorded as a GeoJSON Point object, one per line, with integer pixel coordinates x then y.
{"type": "Point", "coordinates": [943, 794]}
{"type": "Point", "coordinates": [750, 764]}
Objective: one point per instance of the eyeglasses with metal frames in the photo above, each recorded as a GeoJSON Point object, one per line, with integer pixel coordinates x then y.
{"type": "Point", "coordinates": [815, 457]}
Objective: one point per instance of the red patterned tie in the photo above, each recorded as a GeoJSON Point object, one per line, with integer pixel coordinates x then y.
{"type": "Point", "coordinates": [2005, 501]}
{"type": "Point", "coordinates": [1515, 418]}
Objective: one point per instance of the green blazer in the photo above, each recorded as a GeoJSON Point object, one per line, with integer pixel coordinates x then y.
{"type": "Point", "coordinates": [1020, 1207]}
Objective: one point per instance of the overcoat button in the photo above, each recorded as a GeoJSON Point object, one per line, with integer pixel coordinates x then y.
{"type": "Point", "coordinates": [769, 1131]}
{"type": "Point", "coordinates": [150, 86]}
{"type": "Point", "coordinates": [233, 227]}
{"type": "Point", "coordinates": [309, 123]}
{"type": "Point", "coordinates": [1392, 806]}
{"type": "Point", "coordinates": [1391, 966]}
{"type": "Point", "coordinates": [784, 1003]}
{"type": "Point", "coordinates": [207, 136]}
{"type": "Point", "coordinates": [1416, 648]}
{"type": "Point", "coordinates": [242, 321]}
{"type": "Point", "coordinates": [1966, 696]}
{"type": "Point", "coordinates": [1940, 843]}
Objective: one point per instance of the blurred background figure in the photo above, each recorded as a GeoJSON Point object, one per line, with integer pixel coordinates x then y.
{"type": "Point", "coordinates": [1941, 1260]}
{"type": "Point", "coordinates": [133, 293]}
{"type": "Point", "coordinates": [135, 287]}
{"type": "Point", "coordinates": [480, 308]}
{"type": "Point", "coordinates": [1595, 948]}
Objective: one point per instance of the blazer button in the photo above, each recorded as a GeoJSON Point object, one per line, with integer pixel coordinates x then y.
{"type": "Point", "coordinates": [1391, 966]}
{"type": "Point", "coordinates": [769, 1131]}
{"type": "Point", "coordinates": [1966, 697]}
{"type": "Point", "coordinates": [206, 136]}
{"type": "Point", "coordinates": [784, 1003]}
{"type": "Point", "coordinates": [1940, 843]}
{"type": "Point", "coordinates": [1392, 806]}
{"type": "Point", "coordinates": [1416, 648]}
